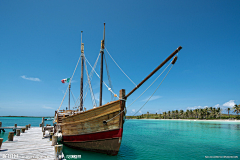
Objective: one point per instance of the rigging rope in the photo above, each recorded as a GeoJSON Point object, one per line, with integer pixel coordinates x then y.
{"type": "Point", "coordinates": [119, 67]}
{"type": "Point", "coordinates": [91, 74]}
{"type": "Point", "coordinates": [85, 85]}
{"type": "Point", "coordinates": [145, 91]}
{"type": "Point", "coordinates": [109, 79]}
{"type": "Point", "coordinates": [153, 92]}
{"type": "Point", "coordinates": [90, 86]}
{"type": "Point", "coordinates": [99, 77]}
{"type": "Point", "coordinates": [69, 83]}
{"type": "Point", "coordinates": [73, 96]}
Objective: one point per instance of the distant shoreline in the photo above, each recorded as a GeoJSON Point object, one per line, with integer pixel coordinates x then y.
{"type": "Point", "coordinates": [29, 116]}
{"type": "Point", "coordinates": [214, 120]}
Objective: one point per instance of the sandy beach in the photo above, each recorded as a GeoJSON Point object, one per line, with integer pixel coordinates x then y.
{"type": "Point", "coordinates": [215, 120]}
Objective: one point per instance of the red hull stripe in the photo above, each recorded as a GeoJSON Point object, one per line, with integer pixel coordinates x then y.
{"type": "Point", "coordinates": [93, 136]}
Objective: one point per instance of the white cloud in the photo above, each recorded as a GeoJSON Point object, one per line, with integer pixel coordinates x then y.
{"type": "Point", "coordinates": [152, 98]}
{"type": "Point", "coordinates": [47, 107]}
{"type": "Point", "coordinates": [31, 79]}
{"type": "Point", "coordinates": [159, 111]}
{"type": "Point", "coordinates": [229, 104]}
{"type": "Point", "coordinates": [140, 111]}
{"type": "Point", "coordinates": [196, 107]}
{"type": "Point", "coordinates": [133, 110]}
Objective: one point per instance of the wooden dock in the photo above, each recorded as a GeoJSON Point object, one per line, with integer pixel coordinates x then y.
{"type": "Point", "coordinates": [29, 145]}
{"type": "Point", "coordinates": [2, 129]}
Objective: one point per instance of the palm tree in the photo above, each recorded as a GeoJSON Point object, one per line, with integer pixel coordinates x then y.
{"type": "Point", "coordinates": [218, 112]}
{"type": "Point", "coordinates": [201, 112]}
{"type": "Point", "coordinates": [160, 115]}
{"type": "Point", "coordinates": [191, 113]}
{"type": "Point", "coordinates": [195, 112]}
{"type": "Point", "coordinates": [214, 112]}
{"type": "Point", "coordinates": [181, 113]}
{"type": "Point", "coordinates": [206, 112]}
{"type": "Point", "coordinates": [236, 109]}
{"type": "Point", "coordinates": [211, 110]}
{"type": "Point", "coordinates": [147, 114]}
{"type": "Point", "coordinates": [187, 113]}
{"type": "Point", "coordinates": [228, 109]}
{"type": "Point", "coordinates": [173, 114]}
{"type": "Point", "coordinates": [169, 114]}
{"type": "Point", "coordinates": [176, 114]}
{"type": "Point", "coordinates": [164, 114]}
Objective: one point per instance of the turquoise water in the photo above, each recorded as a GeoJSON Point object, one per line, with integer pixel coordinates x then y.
{"type": "Point", "coordinates": [165, 139]}
{"type": "Point", "coordinates": [20, 121]}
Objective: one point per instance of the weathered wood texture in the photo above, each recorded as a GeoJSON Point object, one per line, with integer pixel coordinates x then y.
{"type": "Point", "coordinates": [92, 120]}
{"type": "Point", "coordinates": [29, 145]}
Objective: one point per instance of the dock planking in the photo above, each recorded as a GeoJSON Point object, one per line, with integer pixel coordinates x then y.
{"type": "Point", "coordinates": [29, 145]}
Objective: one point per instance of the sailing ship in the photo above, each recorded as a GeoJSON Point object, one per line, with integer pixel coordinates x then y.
{"type": "Point", "coordinates": [99, 129]}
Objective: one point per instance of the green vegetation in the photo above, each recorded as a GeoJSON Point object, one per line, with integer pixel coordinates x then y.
{"type": "Point", "coordinates": [207, 113]}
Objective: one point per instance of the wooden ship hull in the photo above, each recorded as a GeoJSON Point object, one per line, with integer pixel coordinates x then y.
{"type": "Point", "coordinates": [90, 130]}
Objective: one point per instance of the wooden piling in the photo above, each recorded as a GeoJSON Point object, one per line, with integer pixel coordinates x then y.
{"type": "Point", "coordinates": [15, 125]}
{"type": "Point", "coordinates": [43, 119]}
{"type": "Point", "coordinates": [10, 136]}
{"type": "Point", "coordinates": [51, 134]}
{"type": "Point", "coordinates": [29, 125]}
{"type": "Point", "coordinates": [40, 125]}
{"type": "Point", "coordinates": [18, 132]}
{"type": "Point", "coordinates": [54, 140]}
{"type": "Point", "coordinates": [1, 140]}
{"type": "Point", "coordinates": [23, 130]}
{"type": "Point", "coordinates": [26, 127]}
{"type": "Point", "coordinates": [58, 151]}
{"type": "Point", "coordinates": [0, 124]}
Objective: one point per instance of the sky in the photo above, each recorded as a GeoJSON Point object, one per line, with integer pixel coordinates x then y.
{"type": "Point", "coordinates": [40, 45]}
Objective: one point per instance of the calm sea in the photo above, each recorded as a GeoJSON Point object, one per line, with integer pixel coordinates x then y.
{"type": "Point", "coordinates": [163, 139]}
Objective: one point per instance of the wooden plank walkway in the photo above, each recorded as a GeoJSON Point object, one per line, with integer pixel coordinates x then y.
{"type": "Point", "coordinates": [29, 145]}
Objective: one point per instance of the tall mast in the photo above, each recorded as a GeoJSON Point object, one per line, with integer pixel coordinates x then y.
{"type": "Point", "coordinates": [81, 82]}
{"type": "Point", "coordinates": [101, 68]}
{"type": "Point", "coordinates": [156, 69]}
{"type": "Point", "coordinates": [69, 97]}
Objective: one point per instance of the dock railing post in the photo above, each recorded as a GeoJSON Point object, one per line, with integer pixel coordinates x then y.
{"type": "Point", "coordinates": [50, 137]}
{"type": "Point", "coordinates": [26, 127]}
{"type": "Point", "coordinates": [17, 132]}
{"type": "Point", "coordinates": [23, 130]}
{"type": "Point", "coordinates": [54, 140]}
{"type": "Point", "coordinates": [58, 151]}
{"type": "Point", "coordinates": [1, 140]}
{"type": "Point", "coordinates": [10, 136]}
{"type": "Point", "coordinates": [43, 124]}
